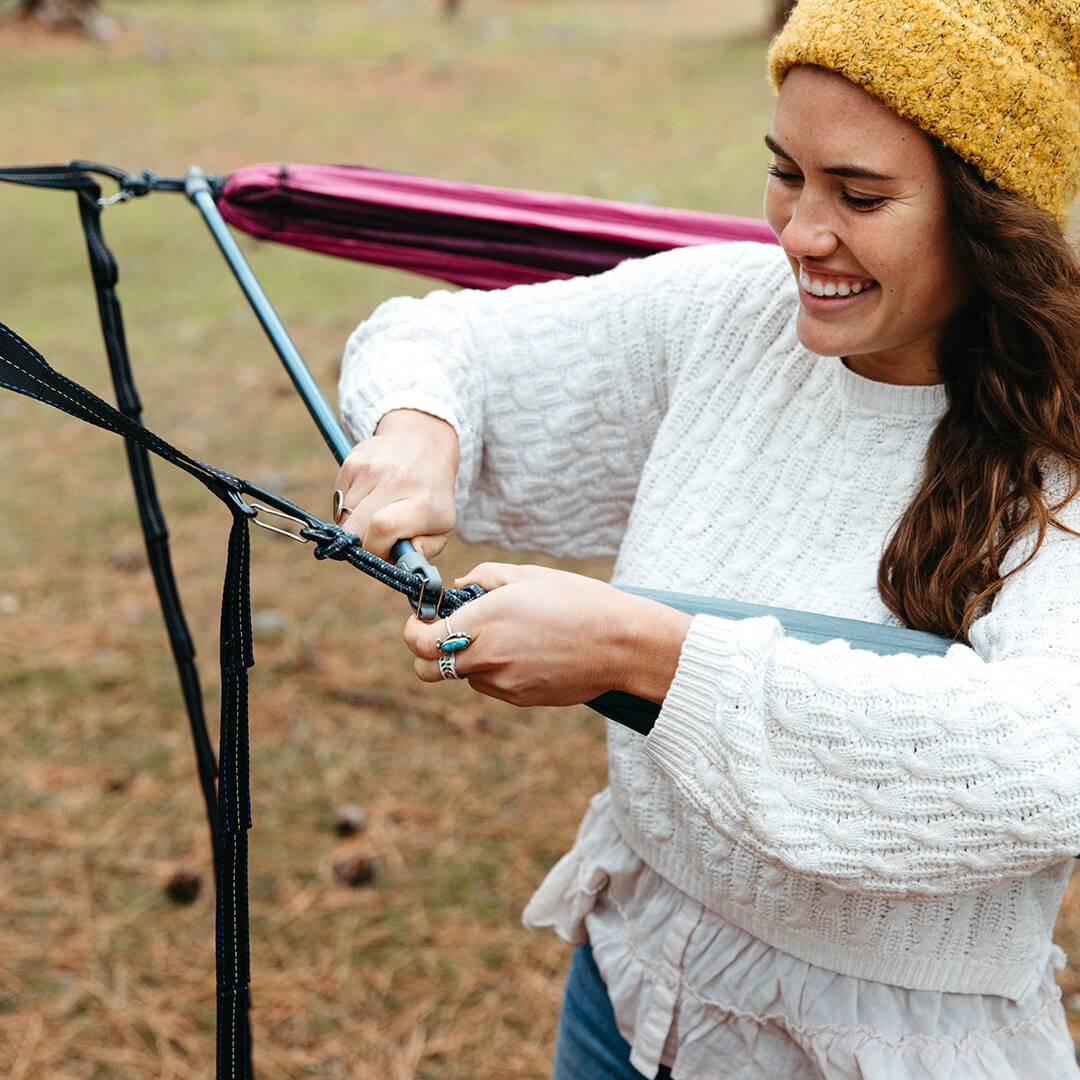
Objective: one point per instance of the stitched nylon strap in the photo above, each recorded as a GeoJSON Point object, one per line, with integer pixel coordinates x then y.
{"type": "Point", "coordinates": [234, 806]}
{"type": "Point", "coordinates": [75, 177]}
{"type": "Point", "coordinates": [25, 371]}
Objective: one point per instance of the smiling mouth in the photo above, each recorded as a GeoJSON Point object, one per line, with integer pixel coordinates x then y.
{"type": "Point", "coordinates": [831, 286]}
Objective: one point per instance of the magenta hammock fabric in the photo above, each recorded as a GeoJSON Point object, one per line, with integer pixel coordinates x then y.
{"type": "Point", "coordinates": [470, 234]}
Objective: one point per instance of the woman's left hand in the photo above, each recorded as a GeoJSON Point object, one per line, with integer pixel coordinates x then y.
{"type": "Point", "coordinates": [548, 637]}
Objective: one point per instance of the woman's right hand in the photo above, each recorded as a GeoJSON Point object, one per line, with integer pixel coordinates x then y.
{"type": "Point", "coordinates": [399, 483]}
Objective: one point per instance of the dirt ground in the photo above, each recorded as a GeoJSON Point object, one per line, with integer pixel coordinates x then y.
{"type": "Point", "coordinates": [398, 829]}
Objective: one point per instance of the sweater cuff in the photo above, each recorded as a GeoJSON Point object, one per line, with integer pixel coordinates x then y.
{"type": "Point", "coordinates": [713, 684]}
{"type": "Point", "coordinates": [364, 402]}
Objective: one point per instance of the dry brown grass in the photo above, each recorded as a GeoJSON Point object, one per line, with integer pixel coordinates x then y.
{"type": "Point", "coordinates": [424, 971]}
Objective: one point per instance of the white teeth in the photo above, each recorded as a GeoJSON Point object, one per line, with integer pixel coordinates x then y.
{"type": "Point", "coordinates": [831, 288]}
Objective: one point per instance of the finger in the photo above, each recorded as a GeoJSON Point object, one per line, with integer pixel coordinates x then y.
{"type": "Point", "coordinates": [356, 511]}
{"type": "Point", "coordinates": [429, 671]}
{"type": "Point", "coordinates": [378, 524]}
{"type": "Point", "coordinates": [421, 637]}
{"type": "Point", "coordinates": [354, 478]}
{"type": "Point", "coordinates": [431, 547]}
{"type": "Point", "coordinates": [481, 685]}
{"type": "Point", "coordinates": [491, 575]}
{"type": "Point", "coordinates": [341, 508]}
{"type": "Point", "coordinates": [405, 519]}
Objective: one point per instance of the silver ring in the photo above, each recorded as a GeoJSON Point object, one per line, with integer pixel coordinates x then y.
{"type": "Point", "coordinates": [453, 642]}
{"type": "Point", "coordinates": [339, 506]}
{"type": "Point", "coordinates": [446, 666]}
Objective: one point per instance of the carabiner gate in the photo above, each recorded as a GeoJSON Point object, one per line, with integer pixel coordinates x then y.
{"type": "Point", "coordinates": [259, 508]}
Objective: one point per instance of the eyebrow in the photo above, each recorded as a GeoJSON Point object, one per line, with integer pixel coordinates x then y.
{"type": "Point", "coordinates": [850, 172]}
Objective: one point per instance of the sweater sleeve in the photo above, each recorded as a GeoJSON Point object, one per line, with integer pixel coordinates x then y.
{"type": "Point", "coordinates": [895, 776]}
{"type": "Point", "coordinates": [555, 390]}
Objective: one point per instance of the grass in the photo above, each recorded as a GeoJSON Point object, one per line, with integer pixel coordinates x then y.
{"type": "Point", "coordinates": [424, 972]}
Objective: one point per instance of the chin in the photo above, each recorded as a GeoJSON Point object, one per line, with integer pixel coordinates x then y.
{"type": "Point", "coordinates": [820, 341]}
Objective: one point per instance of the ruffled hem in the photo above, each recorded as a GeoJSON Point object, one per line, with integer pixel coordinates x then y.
{"type": "Point", "coordinates": [692, 990]}
{"type": "Point", "coordinates": [569, 892]}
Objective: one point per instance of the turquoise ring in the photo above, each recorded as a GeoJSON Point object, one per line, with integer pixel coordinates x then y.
{"type": "Point", "coordinates": [453, 642]}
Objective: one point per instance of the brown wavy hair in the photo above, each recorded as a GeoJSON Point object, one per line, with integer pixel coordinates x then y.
{"type": "Point", "coordinates": [1010, 362]}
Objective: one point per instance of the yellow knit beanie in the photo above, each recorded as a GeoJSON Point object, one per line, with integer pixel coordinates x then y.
{"type": "Point", "coordinates": [997, 81]}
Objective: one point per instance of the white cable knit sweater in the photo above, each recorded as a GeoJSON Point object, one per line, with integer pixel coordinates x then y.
{"type": "Point", "coordinates": [908, 821]}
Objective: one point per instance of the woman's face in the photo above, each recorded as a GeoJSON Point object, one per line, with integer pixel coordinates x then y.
{"type": "Point", "coordinates": [857, 200]}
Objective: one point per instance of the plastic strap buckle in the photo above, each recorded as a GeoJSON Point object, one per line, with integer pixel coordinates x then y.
{"type": "Point", "coordinates": [431, 586]}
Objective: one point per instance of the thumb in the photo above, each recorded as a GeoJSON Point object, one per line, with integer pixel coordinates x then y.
{"type": "Point", "coordinates": [431, 546]}
{"type": "Point", "coordinates": [491, 575]}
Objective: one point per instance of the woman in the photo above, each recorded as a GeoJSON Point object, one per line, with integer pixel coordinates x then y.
{"type": "Point", "coordinates": [820, 862]}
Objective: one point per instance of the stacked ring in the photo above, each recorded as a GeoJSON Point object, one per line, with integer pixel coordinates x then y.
{"type": "Point", "coordinates": [447, 667]}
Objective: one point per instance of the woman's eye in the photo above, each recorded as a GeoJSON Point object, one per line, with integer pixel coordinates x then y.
{"type": "Point", "coordinates": [783, 177]}
{"type": "Point", "coordinates": [862, 202]}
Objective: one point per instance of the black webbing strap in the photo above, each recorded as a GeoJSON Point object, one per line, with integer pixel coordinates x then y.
{"type": "Point", "coordinates": [234, 1057]}
{"type": "Point", "coordinates": [25, 371]}
{"type": "Point", "coordinates": [75, 177]}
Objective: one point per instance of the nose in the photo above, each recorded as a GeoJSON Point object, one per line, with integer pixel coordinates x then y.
{"type": "Point", "coordinates": [809, 231]}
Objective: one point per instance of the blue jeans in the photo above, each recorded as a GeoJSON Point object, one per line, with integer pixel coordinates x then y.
{"type": "Point", "coordinates": [588, 1045]}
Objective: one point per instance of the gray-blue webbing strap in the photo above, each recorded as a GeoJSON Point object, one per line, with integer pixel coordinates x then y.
{"type": "Point", "coordinates": [639, 714]}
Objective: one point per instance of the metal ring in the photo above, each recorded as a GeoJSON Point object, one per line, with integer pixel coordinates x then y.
{"type": "Point", "coordinates": [339, 506]}
{"type": "Point", "coordinates": [454, 641]}
{"type": "Point", "coordinates": [446, 666]}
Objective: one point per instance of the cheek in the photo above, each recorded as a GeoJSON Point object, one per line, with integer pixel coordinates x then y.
{"type": "Point", "coordinates": [937, 283]}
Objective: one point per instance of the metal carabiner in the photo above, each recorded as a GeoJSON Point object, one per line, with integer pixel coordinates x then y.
{"type": "Point", "coordinates": [123, 195]}
{"type": "Point", "coordinates": [259, 508]}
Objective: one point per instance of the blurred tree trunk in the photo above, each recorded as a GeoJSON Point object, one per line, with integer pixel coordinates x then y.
{"type": "Point", "coordinates": [781, 9]}
{"type": "Point", "coordinates": [84, 15]}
